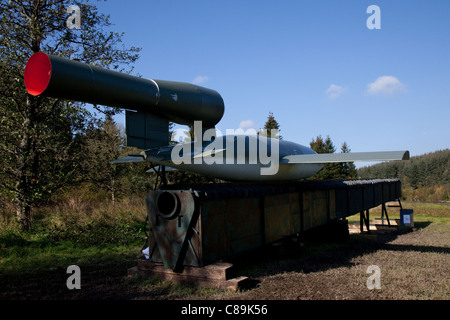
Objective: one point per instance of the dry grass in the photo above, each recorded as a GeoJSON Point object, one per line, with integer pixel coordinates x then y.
{"type": "Point", "coordinates": [414, 265]}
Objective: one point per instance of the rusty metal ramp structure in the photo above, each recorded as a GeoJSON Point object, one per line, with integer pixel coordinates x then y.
{"type": "Point", "coordinates": [198, 226]}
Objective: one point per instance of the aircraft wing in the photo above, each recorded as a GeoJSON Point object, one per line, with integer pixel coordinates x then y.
{"type": "Point", "coordinates": [130, 158]}
{"type": "Point", "coordinates": [346, 157]}
{"type": "Point", "coordinates": [156, 155]}
{"type": "Point", "coordinates": [163, 154]}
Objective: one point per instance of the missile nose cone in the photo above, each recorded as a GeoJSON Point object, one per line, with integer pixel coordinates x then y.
{"type": "Point", "coordinates": [37, 73]}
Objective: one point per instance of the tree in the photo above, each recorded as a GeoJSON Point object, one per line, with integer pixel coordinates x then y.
{"type": "Point", "coordinates": [421, 176]}
{"type": "Point", "coordinates": [322, 146]}
{"type": "Point", "coordinates": [102, 145]}
{"type": "Point", "coordinates": [271, 124]}
{"type": "Point", "coordinates": [329, 170]}
{"type": "Point", "coordinates": [39, 136]}
{"type": "Point", "coordinates": [348, 169]}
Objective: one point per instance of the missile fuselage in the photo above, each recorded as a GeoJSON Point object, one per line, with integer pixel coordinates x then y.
{"type": "Point", "coordinates": [237, 158]}
{"type": "Point", "coordinates": [156, 102]}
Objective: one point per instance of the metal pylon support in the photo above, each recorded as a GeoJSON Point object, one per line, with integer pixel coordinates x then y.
{"type": "Point", "coordinates": [364, 220]}
{"type": "Point", "coordinates": [385, 213]}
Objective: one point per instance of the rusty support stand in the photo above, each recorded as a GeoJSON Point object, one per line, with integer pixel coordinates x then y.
{"type": "Point", "coordinates": [215, 275]}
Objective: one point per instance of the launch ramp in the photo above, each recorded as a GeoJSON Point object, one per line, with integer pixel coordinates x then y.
{"type": "Point", "coordinates": [202, 225]}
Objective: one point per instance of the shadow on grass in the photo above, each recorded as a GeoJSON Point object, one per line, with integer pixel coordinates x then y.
{"type": "Point", "coordinates": [421, 224]}
{"type": "Point", "coordinates": [315, 253]}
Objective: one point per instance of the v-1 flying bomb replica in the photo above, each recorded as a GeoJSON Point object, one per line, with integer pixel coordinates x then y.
{"type": "Point", "coordinates": [151, 104]}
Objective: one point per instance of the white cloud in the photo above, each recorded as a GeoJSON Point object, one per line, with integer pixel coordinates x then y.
{"type": "Point", "coordinates": [247, 124]}
{"type": "Point", "coordinates": [386, 85]}
{"type": "Point", "coordinates": [200, 79]}
{"type": "Point", "coordinates": [335, 91]}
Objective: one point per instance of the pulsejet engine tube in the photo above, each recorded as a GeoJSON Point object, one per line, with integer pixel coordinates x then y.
{"type": "Point", "coordinates": [179, 102]}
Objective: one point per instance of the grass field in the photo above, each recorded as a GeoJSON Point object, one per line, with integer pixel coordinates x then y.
{"type": "Point", "coordinates": [105, 242]}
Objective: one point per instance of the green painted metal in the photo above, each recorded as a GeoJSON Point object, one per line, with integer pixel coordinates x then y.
{"type": "Point", "coordinates": [155, 102]}
{"type": "Point", "coordinates": [145, 130]}
{"type": "Point", "coordinates": [179, 102]}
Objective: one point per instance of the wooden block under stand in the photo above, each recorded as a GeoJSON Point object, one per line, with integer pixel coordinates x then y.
{"type": "Point", "coordinates": [215, 275]}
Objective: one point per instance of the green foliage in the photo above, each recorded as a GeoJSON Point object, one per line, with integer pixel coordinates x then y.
{"type": "Point", "coordinates": [41, 138]}
{"type": "Point", "coordinates": [332, 171]}
{"type": "Point", "coordinates": [103, 144]}
{"type": "Point", "coordinates": [119, 231]}
{"type": "Point", "coordinates": [73, 231]}
{"type": "Point", "coordinates": [271, 124]}
{"type": "Point", "coordinates": [81, 223]}
{"type": "Point", "coordinates": [348, 169]}
{"type": "Point", "coordinates": [425, 177]}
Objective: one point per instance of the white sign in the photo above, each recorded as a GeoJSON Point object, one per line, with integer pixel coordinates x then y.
{"type": "Point", "coordinates": [406, 219]}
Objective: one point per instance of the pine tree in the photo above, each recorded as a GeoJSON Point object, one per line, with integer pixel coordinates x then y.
{"type": "Point", "coordinates": [348, 169]}
{"type": "Point", "coordinates": [271, 124]}
{"type": "Point", "coordinates": [330, 170]}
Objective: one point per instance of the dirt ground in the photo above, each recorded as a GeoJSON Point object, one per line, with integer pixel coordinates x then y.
{"type": "Point", "coordinates": [412, 264]}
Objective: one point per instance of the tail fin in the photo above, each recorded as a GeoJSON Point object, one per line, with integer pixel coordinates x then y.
{"type": "Point", "coordinates": [146, 130]}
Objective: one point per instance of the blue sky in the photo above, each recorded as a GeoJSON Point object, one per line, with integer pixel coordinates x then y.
{"type": "Point", "coordinates": [314, 64]}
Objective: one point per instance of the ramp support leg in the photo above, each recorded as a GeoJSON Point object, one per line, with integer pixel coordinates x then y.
{"type": "Point", "coordinates": [364, 219]}
{"type": "Point", "coordinates": [383, 213]}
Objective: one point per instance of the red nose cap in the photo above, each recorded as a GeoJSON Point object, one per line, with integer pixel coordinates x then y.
{"type": "Point", "coordinates": [37, 73]}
